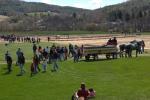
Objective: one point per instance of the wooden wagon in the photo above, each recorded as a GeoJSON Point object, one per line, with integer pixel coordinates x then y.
{"type": "Point", "coordinates": [94, 51]}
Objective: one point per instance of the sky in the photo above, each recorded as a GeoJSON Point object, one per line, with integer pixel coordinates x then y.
{"type": "Point", "coordinates": [87, 4]}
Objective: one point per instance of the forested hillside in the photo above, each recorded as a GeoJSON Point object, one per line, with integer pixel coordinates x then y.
{"type": "Point", "coordinates": [12, 7]}
{"type": "Point", "coordinates": [130, 16]}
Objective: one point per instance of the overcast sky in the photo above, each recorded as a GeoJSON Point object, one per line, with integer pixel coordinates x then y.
{"type": "Point", "coordinates": [88, 4]}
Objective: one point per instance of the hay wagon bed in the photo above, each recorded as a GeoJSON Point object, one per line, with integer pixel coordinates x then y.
{"type": "Point", "coordinates": [94, 51]}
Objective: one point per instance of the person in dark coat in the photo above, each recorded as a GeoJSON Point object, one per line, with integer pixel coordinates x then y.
{"type": "Point", "coordinates": [32, 69]}
{"type": "Point", "coordinates": [34, 48]}
{"type": "Point", "coordinates": [143, 46]}
{"type": "Point", "coordinates": [114, 41]}
{"type": "Point", "coordinates": [8, 58]}
{"type": "Point", "coordinates": [36, 62]}
{"type": "Point", "coordinates": [18, 53]}
{"type": "Point", "coordinates": [21, 62]}
{"type": "Point", "coordinates": [54, 60]}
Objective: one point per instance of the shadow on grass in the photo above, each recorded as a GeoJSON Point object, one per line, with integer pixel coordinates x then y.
{"type": "Point", "coordinates": [92, 60]}
{"type": "Point", "coordinates": [4, 68]}
{"type": "Point", "coordinates": [6, 73]}
{"type": "Point", "coordinates": [19, 75]}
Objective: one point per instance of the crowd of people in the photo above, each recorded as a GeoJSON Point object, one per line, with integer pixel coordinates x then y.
{"type": "Point", "coordinates": [44, 56]}
{"type": "Point", "coordinates": [13, 38]}
{"type": "Point", "coordinates": [50, 55]}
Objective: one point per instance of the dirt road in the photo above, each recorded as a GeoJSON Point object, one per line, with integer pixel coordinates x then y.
{"type": "Point", "coordinates": [94, 39]}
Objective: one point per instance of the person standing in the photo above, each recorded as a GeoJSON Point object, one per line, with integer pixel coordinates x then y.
{"type": "Point", "coordinates": [62, 54]}
{"type": "Point", "coordinates": [44, 65]}
{"type": "Point", "coordinates": [54, 60]}
{"type": "Point", "coordinates": [71, 51]}
{"type": "Point", "coordinates": [34, 48]}
{"type": "Point", "coordinates": [45, 54]}
{"type": "Point", "coordinates": [143, 46]}
{"type": "Point", "coordinates": [18, 53]}
{"type": "Point", "coordinates": [21, 62]}
{"type": "Point", "coordinates": [6, 54]}
{"type": "Point", "coordinates": [47, 49]}
{"type": "Point", "coordinates": [48, 38]}
{"type": "Point", "coordinates": [39, 53]}
{"type": "Point", "coordinates": [75, 54]}
{"type": "Point", "coordinates": [36, 63]}
{"type": "Point", "coordinates": [9, 62]}
{"type": "Point", "coordinates": [65, 53]}
{"type": "Point", "coordinates": [32, 69]}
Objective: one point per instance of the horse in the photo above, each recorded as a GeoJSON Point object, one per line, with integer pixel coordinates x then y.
{"type": "Point", "coordinates": [128, 48]}
{"type": "Point", "coordinates": [140, 45]}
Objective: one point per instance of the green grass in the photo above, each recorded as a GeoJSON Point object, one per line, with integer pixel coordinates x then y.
{"type": "Point", "coordinates": [26, 48]}
{"type": "Point", "coordinates": [56, 32]}
{"type": "Point", "coordinates": [64, 33]}
{"type": "Point", "coordinates": [122, 79]}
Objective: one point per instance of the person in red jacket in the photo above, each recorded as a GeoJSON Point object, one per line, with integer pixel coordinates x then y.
{"type": "Point", "coordinates": [114, 41]}
{"type": "Point", "coordinates": [109, 42]}
{"type": "Point", "coordinates": [83, 92]}
{"type": "Point", "coordinates": [36, 63]}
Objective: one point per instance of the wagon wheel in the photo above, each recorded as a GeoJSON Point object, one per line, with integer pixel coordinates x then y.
{"type": "Point", "coordinates": [87, 57]}
{"type": "Point", "coordinates": [114, 55]}
{"type": "Point", "coordinates": [108, 56]}
{"type": "Point", "coordinates": [95, 57]}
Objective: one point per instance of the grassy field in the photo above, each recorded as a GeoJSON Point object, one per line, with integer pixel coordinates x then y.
{"type": "Point", "coordinates": [26, 48]}
{"type": "Point", "coordinates": [64, 33]}
{"type": "Point", "coordinates": [56, 32]}
{"type": "Point", "coordinates": [121, 79]}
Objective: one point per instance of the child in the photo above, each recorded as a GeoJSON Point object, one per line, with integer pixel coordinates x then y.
{"type": "Point", "coordinates": [92, 93]}
{"type": "Point", "coordinates": [32, 69]}
{"type": "Point", "coordinates": [44, 64]}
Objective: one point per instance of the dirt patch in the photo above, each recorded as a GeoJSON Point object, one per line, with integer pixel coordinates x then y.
{"type": "Point", "coordinates": [93, 39]}
{"type": "Point", "coordinates": [3, 18]}
{"type": "Point", "coordinates": [99, 39]}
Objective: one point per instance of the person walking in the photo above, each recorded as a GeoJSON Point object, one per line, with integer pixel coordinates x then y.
{"type": "Point", "coordinates": [143, 46]}
{"type": "Point", "coordinates": [36, 63]}
{"type": "Point", "coordinates": [54, 60]}
{"type": "Point", "coordinates": [44, 65]}
{"type": "Point", "coordinates": [32, 69]}
{"type": "Point", "coordinates": [65, 53]}
{"type": "Point", "coordinates": [71, 51]}
{"type": "Point", "coordinates": [21, 62]}
{"type": "Point", "coordinates": [8, 58]}
{"type": "Point", "coordinates": [75, 54]}
{"type": "Point", "coordinates": [18, 53]}
{"type": "Point", "coordinates": [34, 48]}
{"type": "Point", "coordinates": [62, 54]}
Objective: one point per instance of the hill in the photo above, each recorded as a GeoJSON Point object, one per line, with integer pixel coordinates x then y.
{"type": "Point", "coordinates": [130, 16]}
{"type": "Point", "coordinates": [11, 7]}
